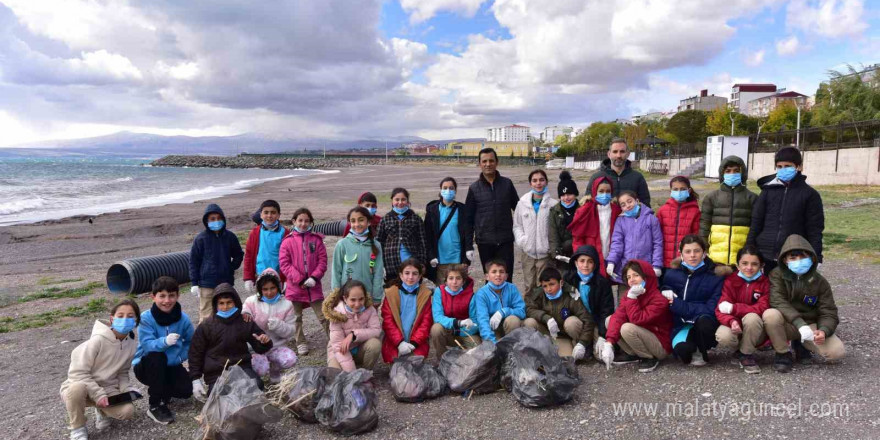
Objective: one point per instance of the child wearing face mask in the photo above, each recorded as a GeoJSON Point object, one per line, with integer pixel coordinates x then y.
{"type": "Point", "coordinates": [593, 223]}
{"type": "Point", "coordinates": [264, 245]}
{"type": "Point", "coordinates": [555, 309]}
{"type": "Point", "coordinates": [787, 205]}
{"type": "Point", "coordinates": [450, 307]}
{"type": "Point", "coordinates": [406, 313]}
{"type": "Point", "coordinates": [368, 201]}
{"type": "Point", "coordinates": [355, 328]}
{"type": "Point", "coordinates": [401, 234]}
{"type": "Point", "coordinates": [561, 215]}
{"type": "Point", "coordinates": [680, 216]}
{"type": "Point", "coordinates": [637, 236]}
{"type": "Point", "coordinates": [726, 215]}
{"type": "Point", "coordinates": [447, 232]}
{"type": "Point", "coordinates": [803, 309]}
{"type": "Point", "coordinates": [303, 260]}
{"type": "Point", "coordinates": [531, 229]}
{"type": "Point", "coordinates": [745, 297]}
{"type": "Point", "coordinates": [213, 258]}
{"type": "Point", "coordinates": [275, 315]}
{"type": "Point", "coordinates": [99, 370]}
{"type": "Point", "coordinates": [498, 307]}
{"type": "Point", "coordinates": [358, 256]}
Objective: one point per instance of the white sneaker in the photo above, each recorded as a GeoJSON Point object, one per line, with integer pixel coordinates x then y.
{"type": "Point", "coordinates": [79, 434]}
{"type": "Point", "coordinates": [102, 422]}
{"type": "Point", "coordinates": [302, 349]}
{"type": "Point", "coordinates": [697, 360]}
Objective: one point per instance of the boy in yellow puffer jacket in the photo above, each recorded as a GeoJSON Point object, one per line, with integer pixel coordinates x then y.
{"type": "Point", "coordinates": [727, 212]}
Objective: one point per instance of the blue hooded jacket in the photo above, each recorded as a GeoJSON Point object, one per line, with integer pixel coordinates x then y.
{"type": "Point", "coordinates": [698, 292]}
{"type": "Point", "coordinates": [214, 256]}
{"type": "Point", "coordinates": [485, 303]}
{"type": "Point", "coordinates": [151, 338]}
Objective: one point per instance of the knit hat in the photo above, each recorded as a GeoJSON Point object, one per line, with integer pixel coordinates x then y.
{"type": "Point", "coordinates": [566, 185]}
{"type": "Point", "coordinates": [789, 154]}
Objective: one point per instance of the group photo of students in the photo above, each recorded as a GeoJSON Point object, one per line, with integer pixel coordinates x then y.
{"type": "Point", "coordinates": [607, 277]}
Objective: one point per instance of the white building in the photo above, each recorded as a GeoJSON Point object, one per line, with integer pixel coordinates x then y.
{"type": "Point", "coordinates": [704, 102]}
{"type": "Point", "coordinates": [510, 133]}
{"type": "Point", "coordinates": [551, 133]}
{"type": "Point", "coordinates": [741, 94]}
{"type": "Point", "coordinates": [762, 107]}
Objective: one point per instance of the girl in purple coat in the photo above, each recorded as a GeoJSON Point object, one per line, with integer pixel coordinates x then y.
{"type": "Point", "coordinates": [303, 259]}
{"type": "Point", "coordinates": [637, 236]}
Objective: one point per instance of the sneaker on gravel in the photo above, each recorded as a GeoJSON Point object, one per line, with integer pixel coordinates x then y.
{"type": "Point", "coordinates": [801, 353]}
{"type": "Point", "coordinates": [102, 422]}
{"type": "Point", "coordinates": [624, 358]}
{"type": "Point", "coordinates": [648, 365]}
{"type": "Point", "coordinates": [697, 360]}
{"type": "Point", "coordinates": [161, 414]}
{"type": "Point", "coordinates": [748, 363]}
{"type": "Point", "coordinates": [79, 434]}
{"type": "Point", "coordinates": [302, 349]}
{"type": "Point", "coordinates": [782, 362]}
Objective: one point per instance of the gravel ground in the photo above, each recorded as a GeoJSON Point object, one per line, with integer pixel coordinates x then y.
{"type": "Point", "coordinates": [35, 361]}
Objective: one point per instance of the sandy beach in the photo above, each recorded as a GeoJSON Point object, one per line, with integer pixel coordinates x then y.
{"type": "Point", "coordinates": [35, 360]}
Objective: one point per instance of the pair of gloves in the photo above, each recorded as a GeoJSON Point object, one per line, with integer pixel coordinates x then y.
{"type": "Point", "coordinates": [609, 269]}
{"type": "Point", "coordinates": [469, 254]}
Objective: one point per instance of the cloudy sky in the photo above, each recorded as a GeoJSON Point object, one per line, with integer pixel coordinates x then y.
{"type": "Point", "coordinates": [432, 68]}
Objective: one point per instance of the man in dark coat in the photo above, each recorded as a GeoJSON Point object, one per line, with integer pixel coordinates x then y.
{"type": "Point", "coordinates": [619, 169]}
{"type": "Point", "coordinates": [490, 204]}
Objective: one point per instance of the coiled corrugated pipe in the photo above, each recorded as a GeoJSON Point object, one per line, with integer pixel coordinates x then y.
{"type": "Point", "coordinates": [136, 275]}
{"type": "Point", "coordinates": [334, 228]}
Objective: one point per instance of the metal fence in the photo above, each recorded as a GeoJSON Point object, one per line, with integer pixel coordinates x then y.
{"type": "Point", "coordinates": [858, 134]}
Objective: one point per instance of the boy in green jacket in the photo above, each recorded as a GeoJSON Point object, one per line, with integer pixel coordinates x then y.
{"type": "Point", "coordinates": [554, 303]}
{"type": "Point", "coordinates": [727, 212]}
{"type": "Point", "coordinates": [802, 308]}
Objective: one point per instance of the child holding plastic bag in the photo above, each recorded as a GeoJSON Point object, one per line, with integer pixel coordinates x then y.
{"type": "Point", "coordinates": [275, 314]}
{"type": "Point", "coordinates": [355, 328]}
{"type": "Point", "coordinates": [99, 370]}
{"type": "Point", "coordinates": [555, 308]}
{"type": "Point", "coordinates": [450, 306]}
{"type": "Point", "coordinates": [406, 313]}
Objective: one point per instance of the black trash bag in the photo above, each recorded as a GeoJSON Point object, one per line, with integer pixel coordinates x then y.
{"type": "Point", "coordinates": [474, 370]}
{"type": "Point", "coordinates": [412, 380]}
{"type": "Point", "coordinates": [534, 372]}
{"type": "Point", "coordinates": [348, 405]}
{"type": "Point", "coordinates": [300, 391]}
{"type": "Point", "coordinates": [236, 409]}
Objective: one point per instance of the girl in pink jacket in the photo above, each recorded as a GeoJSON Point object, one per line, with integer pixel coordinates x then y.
{"type": "Point", "coordinates": [303, 260]}
{"type": "Point", "coordinates": [274, 314]}
{"type": "Point", "coordinates": [354, 328]}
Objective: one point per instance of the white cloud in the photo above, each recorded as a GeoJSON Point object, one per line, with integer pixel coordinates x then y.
{"type": "Point", "coordinates": [103, 62]}
{"type": "Point", "coordinates": [828, 18]}
{"type": "Point", "coordinates": [754, 59]}
{"type": "Point", "coordinates": [410, 54]}
{"type": "Point", "coordinates": [423, 10]}
{"type": "Point", "coordinates": [788, 46]}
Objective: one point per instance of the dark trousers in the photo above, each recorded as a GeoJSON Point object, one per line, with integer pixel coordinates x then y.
{"type": "Point", "coordinates": [247, 370]}
{"type": "Point", "coordinates": [503, 251]}
{"type": "Point", "coordinates": [164, 381]}
{"type": "Point", "coordinates": [701, 337]}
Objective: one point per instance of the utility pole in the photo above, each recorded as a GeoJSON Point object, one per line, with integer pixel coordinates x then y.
{"type": "Point", "coordinates": [732, 125]}
{"type": "Point", "coordinates": [325, 150]}
{"type": "Point", "coordinates": [386, 152]}
{"type": "Point", "coordinates": [797, 142]}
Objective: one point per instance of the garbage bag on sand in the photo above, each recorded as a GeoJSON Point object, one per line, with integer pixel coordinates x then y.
{"type": "Point", "coordinates": [236, 409]}
{"type": "Point", "coordinates": [300, 391]}
{"type": "Point", "coordinates": [412, 380]}
{"type": "Point", "coordinates": [474, 370]}
{"type": "Point", "coordinates": [348, 405]}
{"type": "Point", "coordinates": [533, 371]}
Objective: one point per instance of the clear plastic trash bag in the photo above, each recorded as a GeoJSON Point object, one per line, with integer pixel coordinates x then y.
{"type": "Point", "coordinates": [236, 409]}
{"type": "Point", "coordinates": [412, 380]}
{"type": "Point", "coordinates": [348, 405]}
{"type": "Point", "coordinates": [300, 390]}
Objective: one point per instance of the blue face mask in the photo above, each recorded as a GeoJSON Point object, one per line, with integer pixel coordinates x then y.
{"type": "Point", "coordinates": [786, 174]}
{"type": "Point", "coordinates": [228, 313]}
{"type": "Point", "coordinates": [541, 192]}
{"type": "Point", "coordinates": [400, 211]}
{"type": "Point", "coordinates": [216, 226]}
{"type": "Point", "coordinates": [447, 194]}
{"type": "Point", "coordinates": [360, 234]}
{"type": "Point", "coordinates": [733, 179]}
{"type": "Point", "coordinates": [693, 268]}
{"type": "Point", "coordinates": [301, 231]}
{"type": "Point", "coordinates": [349, 309]}
{"type": "Point", "coordinates": [568, 205]}
{"type": "Point", "coordinates": [555, 295]}
{"type": "Point", "coordinates": [680, 196]}
{"type": "Point", "coordinates": [633, 213]}
{"type": "Point", "coordinates": [372, 211]}
{"type": "Point", "coordinates": [409, 287]}
{"type": "Point", "coordinates": [453, 292]}
{"type": "Point", "coordinates": [585, 278]}
{"type": "Point", "coordinates": [750, 279]}
{"type": "Point", "coordinates": [270, 225]}
{"type": "Point", "coordinates": [801, 266]}
{"type": "Point", "coordinates": [274, 299]}
{"type": "Point", "coordinates": [123, 326]}
{"type": "Point", "coordinates": [603, 199]}
{"type": "Point", "coordinates": [497, 286]}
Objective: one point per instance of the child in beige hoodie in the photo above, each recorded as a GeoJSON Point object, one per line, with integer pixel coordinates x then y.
{"type": "Point", "coordinates": [99, 369]}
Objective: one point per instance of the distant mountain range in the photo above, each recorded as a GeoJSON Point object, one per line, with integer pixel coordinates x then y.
{"type": "Point", "coordinates": [126, 143]}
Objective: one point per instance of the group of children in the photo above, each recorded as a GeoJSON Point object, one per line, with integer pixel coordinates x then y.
{"type": "Point", "coordinates": [690, 278]}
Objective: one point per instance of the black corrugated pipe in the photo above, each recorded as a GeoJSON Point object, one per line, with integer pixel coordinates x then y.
{"type": "Point", "coordinates": [334, 228]}
{"type": "Point", "coordinates": [136, 275]}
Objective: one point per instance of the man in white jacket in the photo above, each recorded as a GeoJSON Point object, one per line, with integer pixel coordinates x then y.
{"type": "Point", "coordinates": [531, 229]}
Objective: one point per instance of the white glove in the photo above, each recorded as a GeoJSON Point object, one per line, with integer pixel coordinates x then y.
{"type": "Point", "coordinates": [579, 352]}
{"type": "Point", "coordinates": [806, 333]}
{"type": "Point", "coordinates": [171, 339]}
{"type": "Point", "coordinates": [668, 294]}
{"type": "Point", "coordinates": [607, 355]}
{"type": "Point", "coordinates": [199, 390]}
{"type": "Point", "coordinates": [273, 323]}
{"type": "Point", "coordinates": [609, 269]}
{"type": "Point", "coordinates": [466, 323]}
{"type": "Point", "coordinates": [635, 291]}
{"type": "Point", "coordinates": [658, 272]}
{"type": "Point", "coordinates": [469, 255]}
{"type": "Point", "coordinates": [495, 321]}
{"type": "Point", "coordinates": [435, 262]}
{"type": "Point", "coordinates": [195, 290]}
{"type": "Point", "coordinates": [249, 286]}
{"type": "Point", "coordinates": [405, 348]}
{"type": "Point", "coordinates": [553, 327]}
{"type": "Point", "coordinates": [284, 287]}
{"type": "Point", "coordinates": [725, 307]}
{"type": "Point", "coordinates": [563, 258]}
{"type": "Point", "coordinates": [309, 282]}
{"type": "Point", "coordinates": [818, 266]}
{"type": "Point", "coordinates": [597, 347]}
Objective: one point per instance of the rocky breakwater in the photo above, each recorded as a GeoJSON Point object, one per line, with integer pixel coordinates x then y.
{"type": "Point", "coordinates": [267, 162]}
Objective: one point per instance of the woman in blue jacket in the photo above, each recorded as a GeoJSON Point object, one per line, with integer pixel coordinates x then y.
{"type": "Point", "coordinates": [693, 286]}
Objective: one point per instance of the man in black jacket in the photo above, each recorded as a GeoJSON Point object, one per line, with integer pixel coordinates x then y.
{"type": "Point", "coordinates": [619, 169]}
{"type": "Point", "coordinates": [490, 204]}
{"type": "Point", "coordinates": [787, 205]}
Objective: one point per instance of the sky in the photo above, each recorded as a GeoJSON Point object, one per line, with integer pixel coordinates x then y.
{"type": "Point", "coordinates": [439, 69]}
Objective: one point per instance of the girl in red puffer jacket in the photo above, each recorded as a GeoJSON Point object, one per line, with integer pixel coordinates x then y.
{"type": "Point", "coordinates": [680, 216]}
